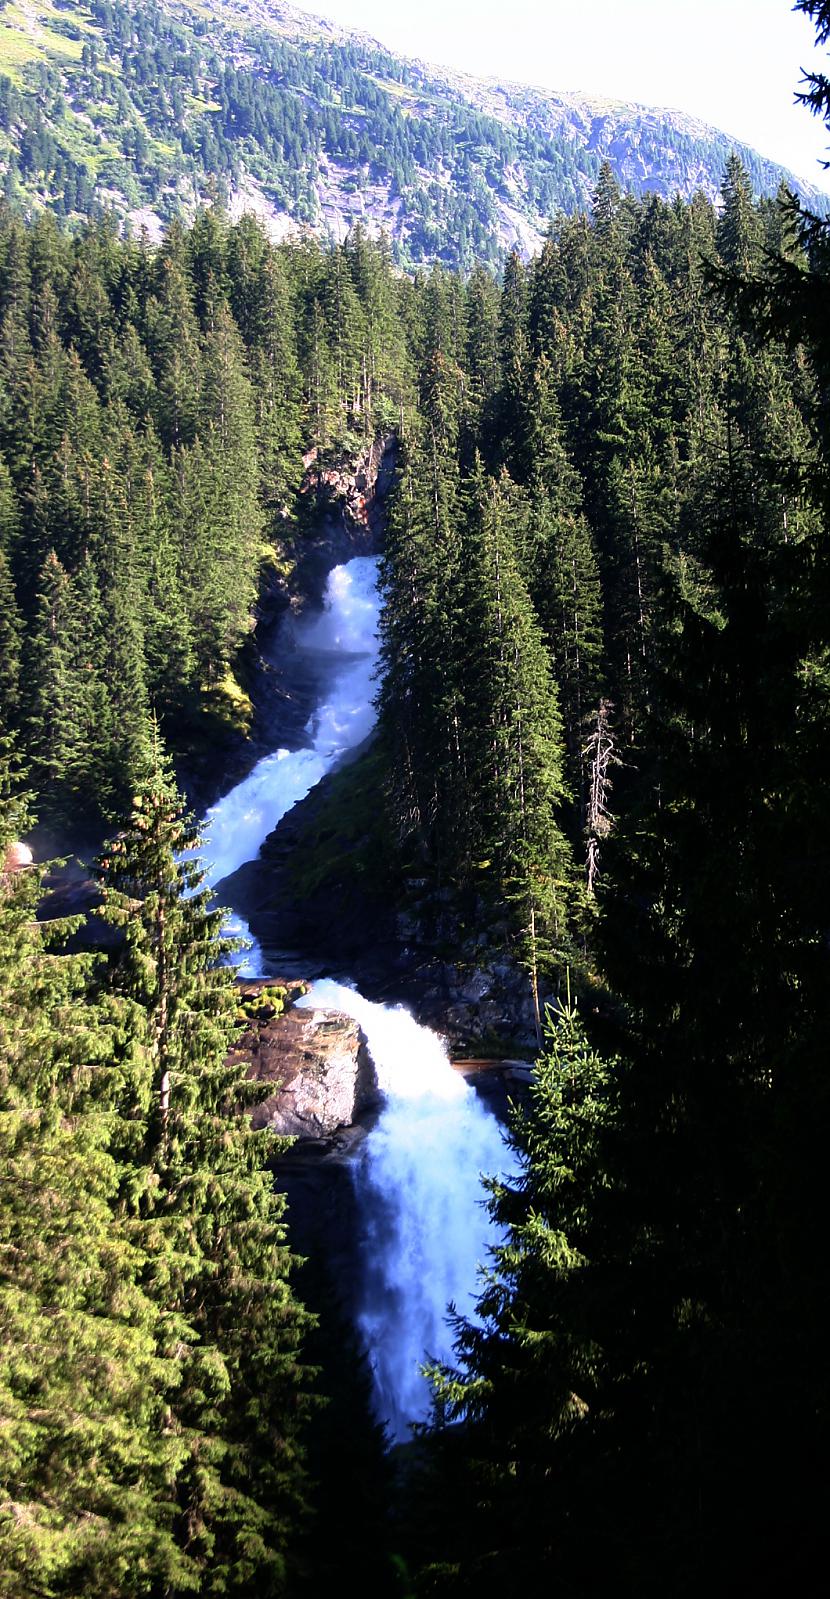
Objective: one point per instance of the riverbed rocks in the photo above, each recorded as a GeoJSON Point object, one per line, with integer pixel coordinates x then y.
{"type": "Point", "coordinates": [323, 1079]}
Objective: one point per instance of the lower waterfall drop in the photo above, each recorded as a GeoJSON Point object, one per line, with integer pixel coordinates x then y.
{"type": "Point", "coordinates": [419, 1184]}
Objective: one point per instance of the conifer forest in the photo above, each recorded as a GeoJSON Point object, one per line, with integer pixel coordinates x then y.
{"type": "Point", "coordinates": [601, 758]}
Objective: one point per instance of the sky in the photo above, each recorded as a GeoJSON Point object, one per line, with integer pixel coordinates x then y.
{"type": "Point", "coordinates": [734, 63]}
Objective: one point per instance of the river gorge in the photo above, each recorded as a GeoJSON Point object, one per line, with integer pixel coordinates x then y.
{"type": "Point", "coordinates": [423, 1224]}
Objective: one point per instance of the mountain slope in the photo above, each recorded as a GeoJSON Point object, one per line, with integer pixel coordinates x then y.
{"type": "Point", "coordinates": [150, 107]}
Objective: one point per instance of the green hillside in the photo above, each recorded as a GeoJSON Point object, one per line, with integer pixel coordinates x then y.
{"type": "Point", "coordinates": [149, 109]}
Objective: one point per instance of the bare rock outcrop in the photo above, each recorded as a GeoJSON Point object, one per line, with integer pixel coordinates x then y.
{"type": "Point", "coordinates": [354, 489]}
{"type": "Point", "coordinates": [317, 1061]}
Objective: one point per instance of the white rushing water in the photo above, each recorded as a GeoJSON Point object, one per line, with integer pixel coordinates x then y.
{"type": "Point", "coordinates": [418, 1175]}
{"type": "Point", "coordinates": [419, 1186]}
{"type": "Point", "coordinates": [343, 640]}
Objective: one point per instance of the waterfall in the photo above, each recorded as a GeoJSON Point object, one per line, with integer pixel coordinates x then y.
{"type": "Point", "coordinates": [418, 1174]}
{"type": "Point", "coordinates": [418, 1181]}
{"type": "Point", "coordinates": [343, 642]}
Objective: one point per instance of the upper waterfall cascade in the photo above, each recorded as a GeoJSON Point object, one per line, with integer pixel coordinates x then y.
{"type": "Point", "coordinates": [343, 638]}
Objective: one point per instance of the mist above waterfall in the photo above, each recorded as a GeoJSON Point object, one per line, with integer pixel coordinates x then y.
{"type": "Point", "coordinates": [418, 1177]}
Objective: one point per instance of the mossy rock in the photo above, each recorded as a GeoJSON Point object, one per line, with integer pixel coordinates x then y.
{"type": "Point", "coordinates": [228, 700]}
{"type": "Point", "coordinates": [264, 1006]}
{"type": "Point", "coordinates": [348, 835]}
{"type": "Point", "coordinates": [274, 999]}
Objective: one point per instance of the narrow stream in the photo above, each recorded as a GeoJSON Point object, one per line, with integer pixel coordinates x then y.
{"type": "Point", "coordinates": [418, 1174]}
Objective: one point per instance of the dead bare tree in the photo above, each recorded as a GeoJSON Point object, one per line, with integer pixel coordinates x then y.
{"type": "Point", "coordinates": [600, 753]}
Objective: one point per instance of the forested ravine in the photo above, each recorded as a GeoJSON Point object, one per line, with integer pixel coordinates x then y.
{"type": "Point", "coordinates": [417, 1177]}
{"type": "Point", "coordinates": [590, 829]}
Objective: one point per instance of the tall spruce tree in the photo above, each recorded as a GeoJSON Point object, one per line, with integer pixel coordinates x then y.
{"type": "Point", "coordinates": [262, 303]}
{"type": "Point", "coordinates": [421, 694]}
{"type": "Point", "coordinates": [10, 631]}
{"type": "Point", "coordinates": [204, 1208]}
{"type": "Point", "coordinates": [517, 1466]}
{"type": "Point", "coordinates": [563, 573]}
{"type": "Point", "coordinates": [512, 733]}
{"type": "Point", "coordinates": [514, 352]}
{"type": "Point", "coordinates": [53, 728]}
{"type": "Point", "coordinates": [86, 1460]}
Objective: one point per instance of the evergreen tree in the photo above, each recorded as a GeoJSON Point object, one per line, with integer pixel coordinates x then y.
{"type": "Point", "coordinates": [319, 375]}
{"type": "Point", "coordinates": [346, 334]}
{"type": "Point", "coordinates": [526, 1392]}
{"type": "Point", "coordinates": [261, 300]}
{"type": "Point", "coordinates": [151, 555]}
{"type": "Point", "coordinates": [563, 573]}
{"type": "Point", "coordinates": [9, 513]}
{"type": "Point", "coordinates": [85, 1458]}
{"type": "Point", "coordinates": [385, 378]}
{"type": "Point", "coordinates": [420, 697]}
{"type": "Point", "coordinates": [18, 402]}
{"type": "Point", "coordinates": [205, 1209]}
{"type": "Point", "coordinates": [53, 727]}
{"type": "Point", "coordinates": [514, 351]}
{"type": "Point", "coordinates": [174, 342]}
{"type": "Point", "coordinates": [442, 376]}
{"type": "Point", "coordinates": [482, 362]}
{"type": "Point", "coordinates": [512, 732]}
{"type": "Point", "coordinates": [605, 212]}
{"type": "Point", "coordinates": [10, 631]}
{"type": "Point", "coordinates": [95, 771]}
{"type": "Point", "coordinates": [739, 229]}
{"type": "Point", "coordinates": [122, 584]}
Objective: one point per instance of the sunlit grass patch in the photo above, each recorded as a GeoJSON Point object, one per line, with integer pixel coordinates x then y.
{"type": "Point", "coordinates": [228, 700]}
{"type": "Point", "coordinates": [41, 32]}
{"type": "Point", "coordinates": [197, 104]}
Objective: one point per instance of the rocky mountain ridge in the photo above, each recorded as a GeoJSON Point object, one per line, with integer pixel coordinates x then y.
{"type": "Point", "coordinates": [151, 108]}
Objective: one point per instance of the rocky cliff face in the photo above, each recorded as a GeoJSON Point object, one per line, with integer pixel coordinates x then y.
{"type": "Point", "coordinates": [478, 998]}
{"type": "Point", "coordinates": [347, 498]}
{"type": "Point", "coordinates": [353, 491]}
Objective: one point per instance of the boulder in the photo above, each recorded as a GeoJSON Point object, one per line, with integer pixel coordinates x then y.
{"type": "Point", "coordinates": [17, 858]}
{"type": "Point", "coordinates": [319, 1066]}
